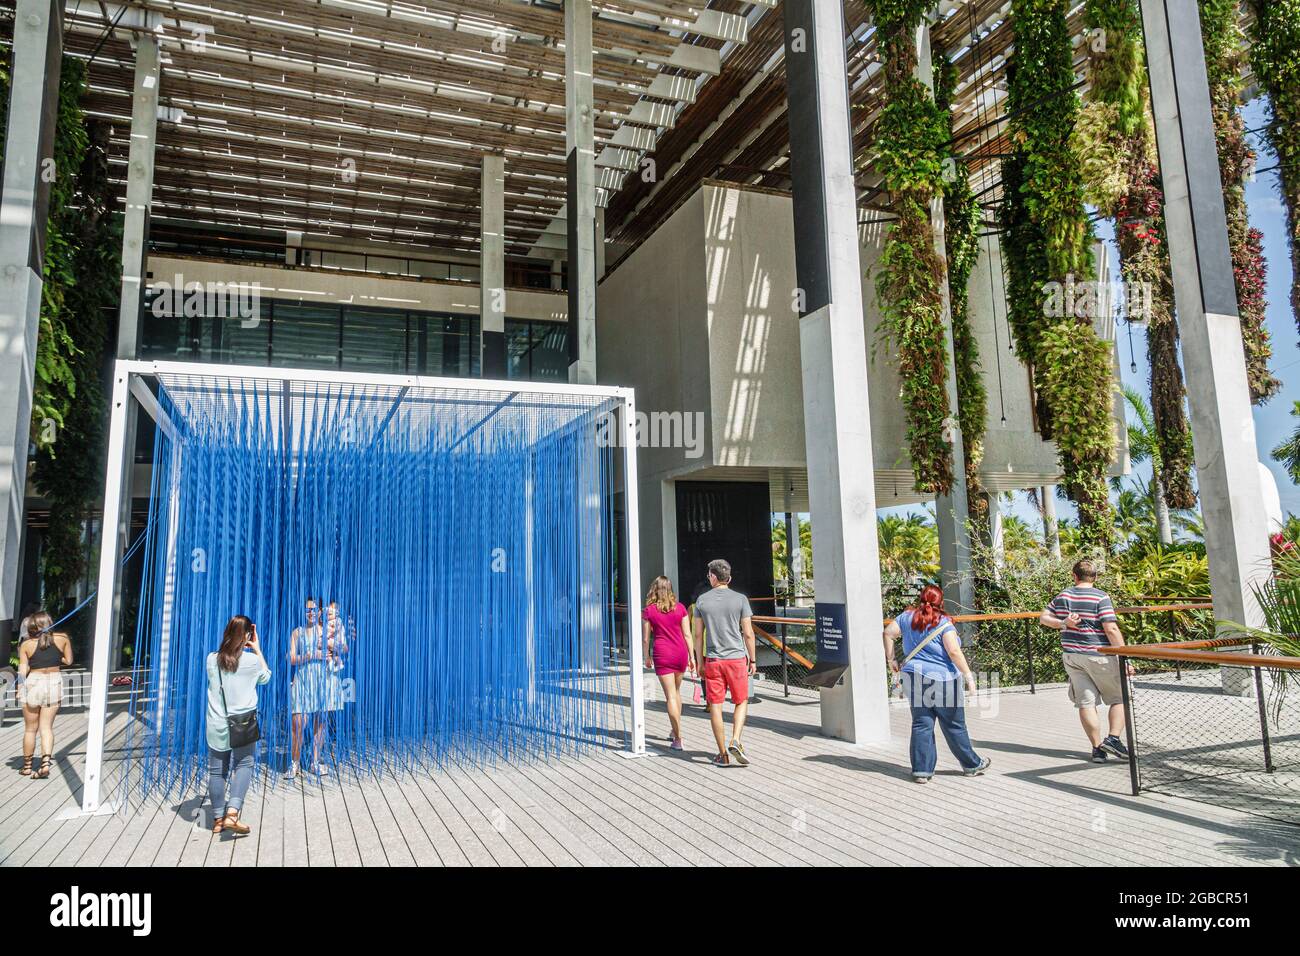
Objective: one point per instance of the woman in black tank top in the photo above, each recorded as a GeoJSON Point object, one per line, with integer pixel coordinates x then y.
{"type": "Point", "coordinates": [40, 656]}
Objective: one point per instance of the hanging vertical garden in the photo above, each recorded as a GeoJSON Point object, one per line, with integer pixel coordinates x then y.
{"type": "Point", "coordinates": [1046, 241]}
{"type": "Point", "coordinates": [1114, 139]}
{"type": "Point", "coordinates": [81, 287]}
{"type": "Point", "coordinates": [1225, 50]}
{"type": "Point", "coordinates": [911, 144]}
{"type": "Point", "coordinates": [961, 218]}
{"type": "Point", "coordinates": [1275, 60]}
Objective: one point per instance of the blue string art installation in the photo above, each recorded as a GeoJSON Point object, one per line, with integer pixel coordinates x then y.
{"type": "Point", "coordinates": [459, 544]}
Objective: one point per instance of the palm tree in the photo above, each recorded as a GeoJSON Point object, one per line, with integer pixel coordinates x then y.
{"type": "Point", "coordinates": [909, 545]}
{"type": "Point", "coordinates": [1288, 453]}
{"type": "Point", "coordinates": [1143, 446]}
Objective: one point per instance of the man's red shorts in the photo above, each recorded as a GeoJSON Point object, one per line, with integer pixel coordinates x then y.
{"type": "Point", "coordinates": [723, 675]}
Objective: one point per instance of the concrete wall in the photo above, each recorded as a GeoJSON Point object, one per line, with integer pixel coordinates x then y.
{"type": "Point", "coordinates": [700, 318]}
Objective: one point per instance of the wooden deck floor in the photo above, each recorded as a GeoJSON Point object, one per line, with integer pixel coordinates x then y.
{"type": "Point", "coordinates": [806, 800]}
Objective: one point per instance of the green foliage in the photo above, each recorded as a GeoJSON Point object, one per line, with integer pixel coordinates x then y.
{"type": "Point", "coordinates": [911, 146]}
{"type": "Point", "coordinates": [1047, 240]}
{"type": "Point", "coordinates": [1288, 452]}
{"type": "Point", "coordinates": [909, 547]}
{"type": "Point", "coordinates": [961, 246]}
{"type": "Point", "coordinates": [1275, 61]}
{"type": "Point", "coordinates": [82, 284]}
{"type": "Point", "coordinates": [1225, 52]}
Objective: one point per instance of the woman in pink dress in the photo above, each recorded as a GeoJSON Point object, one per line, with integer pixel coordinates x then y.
{"type": "Point", "coordinates": [665, 619]}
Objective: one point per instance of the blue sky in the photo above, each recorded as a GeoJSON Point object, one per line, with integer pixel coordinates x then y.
{"type": "Point", "coordinates": [1273, 422]}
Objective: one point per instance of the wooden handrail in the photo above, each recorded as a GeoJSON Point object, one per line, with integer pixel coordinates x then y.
{"type": "Point", "coordinates": [1005, 616]}
{"type": "Point", "coordinates": [779, 645]}
{"type": "Point", "coordinates": [1161, 653]}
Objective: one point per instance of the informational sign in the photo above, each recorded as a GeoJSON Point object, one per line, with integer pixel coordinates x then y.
{"type": "Point", "coordinates": [832, 645]}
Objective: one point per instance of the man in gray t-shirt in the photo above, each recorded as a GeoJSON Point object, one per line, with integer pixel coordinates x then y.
{"type": "Point", "coordinates": [724, 640]}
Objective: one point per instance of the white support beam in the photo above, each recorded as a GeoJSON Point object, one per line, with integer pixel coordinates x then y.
{"type": "Point", "coordinates": [135, 231]}
{"type": "Point", "coordinates": [833, 356]}
{"type": "Point", "coordinates": [1223, 424]}
{"type": "Point", "coordinates": [110, 549]}
{"type": "Point", "coordinates": [580, 151]}
{"type": "Point", "coordinates": [492, 268]}
{"type": "Point", "coordinates": [28, 172]}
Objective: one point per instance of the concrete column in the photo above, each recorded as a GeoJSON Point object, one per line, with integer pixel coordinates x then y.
{"type": "Point", "coordinates": [600, 243]}
{"type": "Point", "coordinates": [492, 269]}
{"type": "Point", "coordinates": [24, 209]}
{"type": "Point", "coordinates": [995, 529]}
{"type": "Point", "coordinates": [1051, 530]}
{"type": "Point", "coordinates": [580, 147]}
{"type": "Point", "coordinates": [833, 356]}
{"type": "Point", "coordinates": [1205, 295]}
{"type": "Point", "coordinates": [139, 193]}
{"type": "Point", "coordinates": [951, 511]}
{"type": "Point", "coordinates": [135, 237]}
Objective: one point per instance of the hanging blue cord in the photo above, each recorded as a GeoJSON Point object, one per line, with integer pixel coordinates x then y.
{"type": "Point", "coordinates": [90, 597]}
{"type": "Point", "coordinates": [468, 543]}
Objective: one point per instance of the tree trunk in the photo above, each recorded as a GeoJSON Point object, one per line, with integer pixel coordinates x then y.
{"type": "Point", "coordinates": [1162, 511]}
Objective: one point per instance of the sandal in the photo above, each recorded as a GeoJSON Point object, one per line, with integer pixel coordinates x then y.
{"type": "Point", "coordinates": [44, 772]}
{"type": "Point", "coordinates": [27, 767]}
{"type": "Point", "coordinates": [231, 823]}
{"type": "Point", "coordinates": [218, 824]}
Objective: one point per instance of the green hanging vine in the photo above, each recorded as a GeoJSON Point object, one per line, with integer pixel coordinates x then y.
{"type": "Point", "coordinates": [1113, 138]}
{"type": "Point", "coordinates": [81, 287]}
{"type": "Point", "coordinates": [1224, 55]}
{"type": "Point", "coordinates": [1046, 238]}
{"type": "Point", "coordinates": [1275, 60]}
{"type": "Point", "coordinates": [961, 245]}
{"type": "Point", "coordinates": [911, 138]}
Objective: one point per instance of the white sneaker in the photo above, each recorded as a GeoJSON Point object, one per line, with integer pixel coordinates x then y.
{"type": "Point", "coordinates": [292, 773]}
{"type": "Point", "coordinates": [321, 770]}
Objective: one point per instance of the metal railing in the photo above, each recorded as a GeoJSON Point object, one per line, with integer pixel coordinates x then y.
{"type": "Point", "coordinates": [1009, 644]}
{"type": "Point", "coordinates": [1229, 735]}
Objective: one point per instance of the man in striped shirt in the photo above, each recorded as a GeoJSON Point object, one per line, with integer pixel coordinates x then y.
{"type": "Point", "coordinates": [1086, 619]}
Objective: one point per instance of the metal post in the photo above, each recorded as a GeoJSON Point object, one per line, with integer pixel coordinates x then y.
{"type": "Point", "coordinates": [785, 640]}
{"type": "Point", "coordinates": [1029, 650]}
{"type": "Point", "coordinates": [1263, 714]}
{"type": "Point", "coordinates": [107, 591]}
{"type": "Point", "coordinates": [632, 587]}
{"type": "Point", "coordinates": [1130, 727]}
{"type": "Point", "coordinates": [1173, 633]}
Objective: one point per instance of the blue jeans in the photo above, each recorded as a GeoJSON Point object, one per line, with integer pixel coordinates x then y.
{"type": "Point", "coordinates": [939, 700]}
{"type": "Point", "coordinates": [231, 769]}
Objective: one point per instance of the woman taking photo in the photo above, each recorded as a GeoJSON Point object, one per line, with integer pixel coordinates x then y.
{"type": "Point", "coordinates": [664, 618]}
{"type": "Point", "coordinates": [40, 655]}
{"type": "Point", "coordinates": [932, 665]}
{"type": "Point", "coordinates": [234, 674]}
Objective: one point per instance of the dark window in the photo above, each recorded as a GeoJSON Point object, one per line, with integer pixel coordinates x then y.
{"type": "Point", "coordinates": [305, 336]}
{"type": "Point", "coordinates": [374, 340]}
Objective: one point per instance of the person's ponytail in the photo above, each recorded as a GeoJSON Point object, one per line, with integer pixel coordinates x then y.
{"type": "Point", "coordinates": [928, 610]}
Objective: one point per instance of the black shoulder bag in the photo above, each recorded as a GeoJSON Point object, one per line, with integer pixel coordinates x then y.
{"type": "Point", "coordinates": [242, 727]}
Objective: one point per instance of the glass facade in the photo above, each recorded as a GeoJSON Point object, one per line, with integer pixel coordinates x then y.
{"type": "Point", "coordinates": [355, 339]}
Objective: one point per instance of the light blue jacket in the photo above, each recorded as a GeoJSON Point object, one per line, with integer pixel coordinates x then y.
{"type": "Point", "coordinates": [241, 694]}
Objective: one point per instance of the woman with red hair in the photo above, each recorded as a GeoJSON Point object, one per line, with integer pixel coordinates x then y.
{"type": "Point", "coordinates": [930, 672]}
